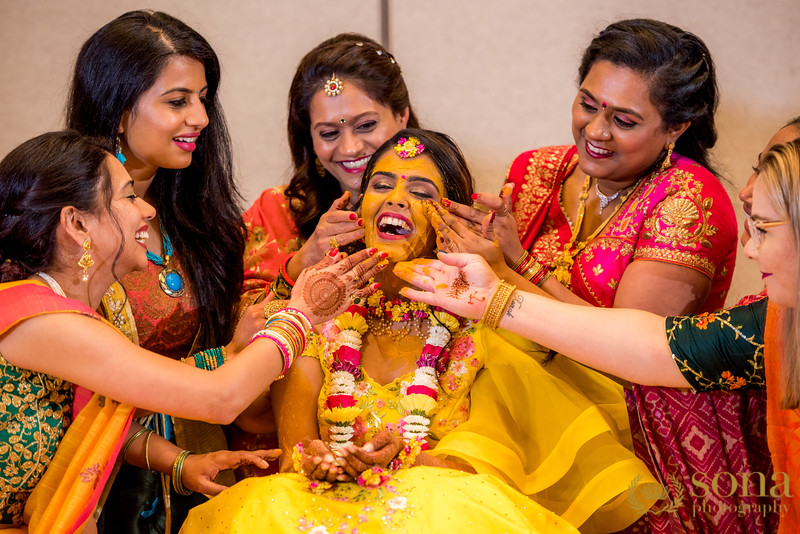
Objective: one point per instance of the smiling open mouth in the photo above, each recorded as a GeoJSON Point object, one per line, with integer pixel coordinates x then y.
{"type": "Point", "coordinates": [393, 226]}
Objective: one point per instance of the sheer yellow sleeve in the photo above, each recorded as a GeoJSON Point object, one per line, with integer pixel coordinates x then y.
{"type": "Point", "coordinates": [557, 432]}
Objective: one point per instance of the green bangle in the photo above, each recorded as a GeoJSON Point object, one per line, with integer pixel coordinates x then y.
{"type": "Point", "coordinates": [177, 472]}
{"type": "Point", "coordinates": [129, 442]}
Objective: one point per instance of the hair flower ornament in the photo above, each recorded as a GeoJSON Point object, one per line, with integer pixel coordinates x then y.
{"type": "Point", "coordinates": [409, 148]}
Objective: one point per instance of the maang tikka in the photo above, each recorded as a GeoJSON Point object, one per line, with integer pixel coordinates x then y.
{"type": "Point", "coordinates": [333, 87]}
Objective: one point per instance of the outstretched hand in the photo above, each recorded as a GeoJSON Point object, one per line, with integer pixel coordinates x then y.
{"type": "Point", "coordinates": [324, 291]}
{"type": "Point", "coordinates": [200, 470]}
{"type": "Point", "coordinates": [460, 283]}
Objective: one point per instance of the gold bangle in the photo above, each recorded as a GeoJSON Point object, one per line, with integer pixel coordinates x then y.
{"type": "Point", "coordinates": [147, 449]}
{"type": "Point", "coordinates": [494, 311]}
{"type": "Point", "coordinates": [177, 472]}
{"type": "Point", "coordinates": [130, 441]}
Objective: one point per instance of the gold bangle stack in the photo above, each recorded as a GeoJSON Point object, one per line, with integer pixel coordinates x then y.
{"type": "Point", "coordinates": [177, 472]}
{"type": "Point", "coordinates": [494, 310]}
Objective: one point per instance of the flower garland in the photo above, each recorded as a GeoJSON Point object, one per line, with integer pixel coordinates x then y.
{"type": "Point", "coordinates": [420, 400]}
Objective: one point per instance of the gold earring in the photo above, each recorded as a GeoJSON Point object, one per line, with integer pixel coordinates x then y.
{"type": "Point", "coordinates": [86, 260]}
{"type": "Point", "coordinates": [667, 160]}
{"type": "Point", "coordinates": [320, 167]}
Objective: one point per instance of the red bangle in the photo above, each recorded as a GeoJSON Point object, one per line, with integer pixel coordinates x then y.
{"type": "Point", "coordinates": [284, 270]}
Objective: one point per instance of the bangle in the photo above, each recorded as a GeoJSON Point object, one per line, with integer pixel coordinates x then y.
{"type": "Point", "coordinates": [177, 472]}
{"type": "Point", "coordinates": [288, 329]}
{"type": "Point", "coordinates": [282, 285]}
{"type": "Point", "coordinates": [147, 449]}
{"type": "Point", "coordinates": [210, 359]}
{"type": "Point", "coordinates": [519, 261]}
{"type": "Point", "coordinates": [130, 441]}
{"type": "Point", "coordinates": [494, 311]}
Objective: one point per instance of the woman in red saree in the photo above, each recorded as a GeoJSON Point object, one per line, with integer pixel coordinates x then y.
{"type": "Point", "coordinates": [69, 225]}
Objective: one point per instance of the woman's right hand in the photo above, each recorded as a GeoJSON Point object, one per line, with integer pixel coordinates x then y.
{"type": "Point", "coordinates": [460, 283]}
{"type": "Point", "coordinates": [324, 290]}
{"type": "Point", "coordinates": [342, 226]}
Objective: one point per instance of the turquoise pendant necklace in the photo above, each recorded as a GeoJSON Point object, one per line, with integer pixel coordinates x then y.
{"type": "Point", "coordinates": [169, 279]}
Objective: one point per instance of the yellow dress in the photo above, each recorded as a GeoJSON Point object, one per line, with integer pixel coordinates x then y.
{"type": "Point", "coordinates": [475, 391]}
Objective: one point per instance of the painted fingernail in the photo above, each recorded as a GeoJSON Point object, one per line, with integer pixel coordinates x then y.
{"type": "Point", "coordinates": [372, 251]}
{"type": "Point", "coordinates": [446, 203]}
{"type": "Point", "coordinates": [383, 255]}
{"type": "Point", "coordinates": [474, 196]}
{"type": "Point", "coordinates": [333, 253]}
{"type": "Point", "coordinates": [376, 286]}
{"type": "Point", "coordinates": [361, 222]}
{"type": "Point", "coordinates": [353, 216]}
{"type": "Point", "coordinates": [491, 218]}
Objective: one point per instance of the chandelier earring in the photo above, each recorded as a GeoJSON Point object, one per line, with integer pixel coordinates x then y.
{"type": "Point", "coordinates": [86, 260]}
{"type": "Point", "coordinates": [667, 163]}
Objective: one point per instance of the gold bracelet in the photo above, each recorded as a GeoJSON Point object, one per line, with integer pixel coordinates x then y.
{"type": "Point", "coordinates": [494, 311]}
{"type": "Point", "coordinates": [177, 472]}
{"type": "Point", "coordinates": [147, 449]}
{"type": "Point", "coordinates": [130, 441]}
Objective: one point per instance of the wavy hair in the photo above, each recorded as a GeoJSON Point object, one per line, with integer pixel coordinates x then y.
{"type": "Point", "coordinates": [680, 74]}
{"type": "Point", "coordinates": [38, 179]}
{"type": "Point", "coordinates": [361, 61]}
{"type": "Point", "coordinates": [199, 206]}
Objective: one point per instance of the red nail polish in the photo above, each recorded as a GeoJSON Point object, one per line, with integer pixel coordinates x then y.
{"type": "Point", "coordinates": [333, 253]}
{"type": "Point", "coordinates": [446, 203]}
{"type": "Point", "coordinates": [361, 222]}
{"type": "Point", "coordinates": [353, 216]}
{"type": "Point", "coordinates": [491, 219]}
{"type": "Point", "coordinates": [372, 251]}
{"type": "Point", "coordinates": [384, 255]}
{"type": "Point", "coordinates": [474, 196]}
{"type": "Point", "coordinates": [376, 285]}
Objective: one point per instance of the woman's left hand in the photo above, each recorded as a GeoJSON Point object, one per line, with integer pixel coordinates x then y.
{"type": "Point", "coordinates": [377, 452]}
{"type": "Point", "coordinates": [200, 470]}
{"type": "Point", "coordinates": [460, 283]}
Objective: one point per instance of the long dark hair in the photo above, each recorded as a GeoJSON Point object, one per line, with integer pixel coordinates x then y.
{"type": "Point", "coordinates": [199, 206]}
{"type": "Point", "coordinates": [679, 71]}
{"type": "Point", "coordinates": [37, 180]}
{"type": "Point", "coordinates": [445, 155]}
{"type": "Point", "coordinates": [361, 61]}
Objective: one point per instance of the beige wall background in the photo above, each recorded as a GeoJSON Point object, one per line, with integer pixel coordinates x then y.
{"type": "Point", "coordinates": [498, 76]}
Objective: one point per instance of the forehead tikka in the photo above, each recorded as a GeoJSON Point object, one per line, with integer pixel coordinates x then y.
{"type": "Point", "coordinates": [333, 87]}
{"type": "Point", "coordinates": [409, 148]}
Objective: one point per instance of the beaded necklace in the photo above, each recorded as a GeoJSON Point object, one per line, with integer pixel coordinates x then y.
{"type": "Point", "coordinates": [341, 407]}
{"type": "Point", "coordinates": [169, 279]}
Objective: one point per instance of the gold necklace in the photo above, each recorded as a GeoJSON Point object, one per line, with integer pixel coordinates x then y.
{"type": "Point", "coordinates": [563, 266]}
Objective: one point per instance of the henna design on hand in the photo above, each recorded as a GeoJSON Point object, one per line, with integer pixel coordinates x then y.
{"type": "Point", "coordinates": [475, 298]}
{"type": "Point", "coordinates": [324, 293]}
{"type": "Point", "coordinates": [458, 286]}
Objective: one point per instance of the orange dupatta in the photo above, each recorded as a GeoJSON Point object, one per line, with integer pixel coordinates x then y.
{"type": "Point", "coordinates": [65, 497]}
{"type": "Point", "coordinates": [783, 426]}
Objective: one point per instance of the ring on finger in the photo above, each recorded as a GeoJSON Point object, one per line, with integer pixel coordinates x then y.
{"type": "Point", "coordinates": [504, 212]}
{"type": "Point", "coordinates": [333, 243]}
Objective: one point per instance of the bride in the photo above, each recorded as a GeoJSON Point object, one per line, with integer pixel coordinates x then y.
{"type": "Point", "coordinates": [400, 416]}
